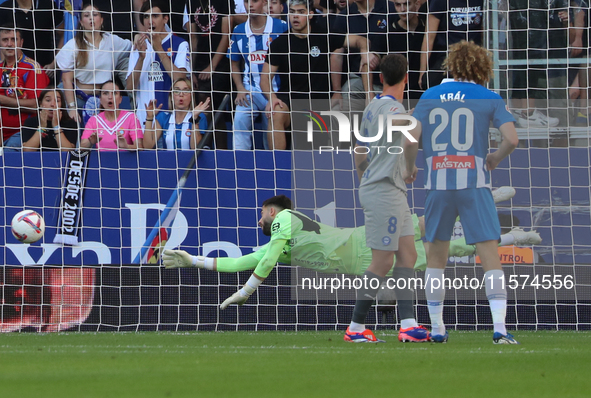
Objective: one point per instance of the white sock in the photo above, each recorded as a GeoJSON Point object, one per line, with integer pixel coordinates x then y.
{"type": "Point", "coordinates": [499, 307]}
{"type": "Point", "coordinates": [496, 294]}
{"type": "Point", "coordinates": [356, 327]}
{"type": "Point", "coordinates": [507, 239]}
{"type": "Point", "coordinates": [408, 323]}
{"type": "Point", "coordinates": [435, 296]}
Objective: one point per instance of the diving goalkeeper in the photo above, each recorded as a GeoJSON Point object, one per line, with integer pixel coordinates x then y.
{"type": "Point", "coordinates": [298, 240]}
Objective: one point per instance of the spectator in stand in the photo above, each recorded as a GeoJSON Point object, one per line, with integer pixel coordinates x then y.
{"type": "Point", "coordinates": [113, 128]}
{"type": "Point", "coordinates": [180, 129]}
{"type": "Point", "coordinates": [277, 9]}
{"type": "Point", "coordinates": [137, 19]}
{"type": "Point", "coordinates": [175, 24]}
{"type": "Point", "coordinates": [40, 23]}
{"type": "Point", "coordinates": [538, 34]}
{"type": "Point", "coordinates": [370, 19]}
{"type": "Point", "coordinates": [301, 59]}
{"type": "Point", "coordinates": [448, 22]}
{"type": "Point", "coordinates": [578, 24]}
{"type": "Point", "coordinates": [325, 14]}
{"type": "Point", "coordinates": [89, 60]}
{"type": "Point", "coordinates": [208, 23]}
{"type": "Point", "coordinates": [71, 15]}
{"type": "Point", "coordinates": [52, 128]}
{"type": "Point", "coordinates": [407, 39]}
{"type": "Point", "coordinates": [326, 11]}
{"type": "Point", "coordinates": [341, 5]}
{"type": "Point", "coordinates": [119, 17]}
{"type": "Point", "coordinates": [158, 59]}
{"type": "Point", "coordinates": [249, 45]}
{"type": "Point", "coordinates": [22, 80]}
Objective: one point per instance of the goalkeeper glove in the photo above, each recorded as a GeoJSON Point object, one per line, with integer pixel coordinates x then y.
{"type": "Point", "coordinates": [243, 294]}
{"type": "Point", "coordinates": [182, 259]}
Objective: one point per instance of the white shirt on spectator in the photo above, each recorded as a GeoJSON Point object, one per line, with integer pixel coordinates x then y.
{"type": "Point", "coordinates": [111, 55]}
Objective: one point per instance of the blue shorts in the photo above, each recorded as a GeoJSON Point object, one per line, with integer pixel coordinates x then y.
{"type": "Point", "coordinates": [476, 209]}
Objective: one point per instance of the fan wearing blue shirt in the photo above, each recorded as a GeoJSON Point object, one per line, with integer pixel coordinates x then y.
{"type": "Point", "coordinates": [250, 42]}
{"type": "Point", "coordinates": [182, 128]}
{"type": "Point", "coordinates": [454, 120]}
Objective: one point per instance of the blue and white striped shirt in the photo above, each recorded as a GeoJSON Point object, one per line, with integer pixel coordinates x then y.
{"type": "Point", "coordinates": [455, 118]}
{"type": "Point", "coordinates": [253, 48]}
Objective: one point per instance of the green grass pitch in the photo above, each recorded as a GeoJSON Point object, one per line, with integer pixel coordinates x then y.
{"type": "Point", "coordinates": [302, 364]}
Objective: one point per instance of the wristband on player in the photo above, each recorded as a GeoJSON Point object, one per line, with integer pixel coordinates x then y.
{"type": "Point", "coordinates": [250, 286]}
{"type": "Point", "coordinates": [202, 262]}
{"type": "Point", "coordinates": [72, 104]}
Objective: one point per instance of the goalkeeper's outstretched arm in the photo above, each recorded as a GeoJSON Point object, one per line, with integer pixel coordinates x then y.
{"type": "Point", "coordinates": [182, 259]}
{"type": "Point", "coordinates": [262, 267]}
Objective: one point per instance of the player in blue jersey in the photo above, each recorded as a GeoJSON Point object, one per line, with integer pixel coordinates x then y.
{"type": "Point", "coordinates": [454, 120]}
{"type": "Point", "coordinates": [250, 42]}
{"type": "Point", "coordinates": [158, 59]}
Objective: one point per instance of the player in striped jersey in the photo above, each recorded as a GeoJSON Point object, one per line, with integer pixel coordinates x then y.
{"type": "Point", "coordinates": [250, 42]}
{"type": "Point", "coordinates": [454, 120]}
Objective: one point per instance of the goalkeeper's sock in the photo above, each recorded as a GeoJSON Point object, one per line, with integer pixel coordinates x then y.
{"type": "Point", "coordinates": [405, 297]}
{"type": "Point", "coordinates": [435, 293]}
{"type": "Point", "coordinates": [506, 240]}
{"type": "Point", "coordinates": [366, 297]}
{"type": "Point", "coordinates": [496, 294]}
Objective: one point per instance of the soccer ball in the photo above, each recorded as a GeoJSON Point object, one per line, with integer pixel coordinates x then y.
{"type": "Point", "coordinates": [28, 226]}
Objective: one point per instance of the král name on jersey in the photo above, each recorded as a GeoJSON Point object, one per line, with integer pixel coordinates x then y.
{"type": "Point", "coordinates": [453, 162]}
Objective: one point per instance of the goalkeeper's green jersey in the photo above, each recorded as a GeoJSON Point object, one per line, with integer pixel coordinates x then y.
{"type": "Point", "coordinates": [316, 246]}
{"type": "Point", "coordinates": [312, 245]}
{"type": "Point", "coordinates": [325, 249]}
